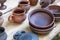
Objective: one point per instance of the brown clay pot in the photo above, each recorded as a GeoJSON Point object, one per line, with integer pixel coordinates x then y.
{"type": "Point", "coordinates": [1, 19]}
{"type": "Point", "coordinates": [33, 2]}
{"type": "Point", "coordinates": [24, 4]}
{"type": "Point", "coordinates": [18, 15]}
{"type": "Point", "coordinates": [2, 7]}
{"type": "Point", "coordinates": [45, 3]}
{"type": "Point", "coordinates": [41, 20]}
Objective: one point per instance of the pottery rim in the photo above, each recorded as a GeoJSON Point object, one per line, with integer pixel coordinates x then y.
{"type": "Point", "coordinates": [17, 9]}
{"type": "Point", "coordinates": [42, 10]}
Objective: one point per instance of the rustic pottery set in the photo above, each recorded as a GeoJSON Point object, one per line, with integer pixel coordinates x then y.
{"type": "Point", "coordinates": [41, 21]}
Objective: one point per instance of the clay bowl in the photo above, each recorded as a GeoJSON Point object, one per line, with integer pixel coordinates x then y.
{"type": "Point", "coordinates": [45, 3]}
{"type": "Point", "coordinates": [42, 30]}
{"type": "Point", "coordinates": [41, 18]}
{"type": "Point", "coordinates": [55, 9]}
{"type": "Point", "coordinates": [24, 4]}
{"type": "Point", "coordinates": [33, 2]}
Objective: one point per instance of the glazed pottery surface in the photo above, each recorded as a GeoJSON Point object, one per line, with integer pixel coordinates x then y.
{"type": "Point", "coordinates": [18, 16]}
{"type": "Point", "coordinates": [22, 35]}
{"type": "Point", "coordinates": [24, 4]}
{"type": "Point", "coordinates": [45, 3]}
{"type": "Point", "coordinates": [33, 2]}
{"type": "Point", "coordinates": [3, 35]}
{"type": "Point", "coordinates": [41, 18]}
{"type": "Point", "coordinates": [55, 9]}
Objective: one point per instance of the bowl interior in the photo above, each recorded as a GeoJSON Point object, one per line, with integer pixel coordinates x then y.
{"type": "Point", "coordinates": [41, 18]}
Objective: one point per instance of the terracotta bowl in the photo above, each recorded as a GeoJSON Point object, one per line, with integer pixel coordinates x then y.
{"type": "Point", "coordinates": [24, 4]}
{"type": "Point", "coordinates": [41, 19]}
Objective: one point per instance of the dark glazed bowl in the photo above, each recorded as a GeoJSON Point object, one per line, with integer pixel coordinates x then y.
{"type": "Point", "coordinates": [55, 9]}
{"type": "Point", "coordinates": [41, 22]}
{"type": "Point", "coordinates": [45, 3]}
{"type": "Point", "coordinates": [3, 35]}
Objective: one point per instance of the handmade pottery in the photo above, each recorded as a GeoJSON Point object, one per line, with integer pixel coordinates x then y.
{"type": "Point", "coordinates": [42, 31]}
{"type": "Point", "coordinates": [55, 9]}
{"type": "Point", "coordinates": [45, 19]}
{"type": "Point", "coordinates": [24, 4]}
{"type": "Point", "coordinates": [18, 15]}
{"type": "Point", "coordinates": [41, 20]}
{"type": "Point", "coordinates": [3, 35]}
{"type": "Point", "coordinates": [45, 3]}
{"type": "Point", "coordinates": [25, 36]}
{"type": "Point", "coordinates": [1, 19]}
{"type": "Point", "coordinates": [33, 2]}
{"type": "Point", "coordinates": [2, 7]}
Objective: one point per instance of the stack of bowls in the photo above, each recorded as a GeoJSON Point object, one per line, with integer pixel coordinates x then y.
{"type": "Point", "coordinates": [41, 21]}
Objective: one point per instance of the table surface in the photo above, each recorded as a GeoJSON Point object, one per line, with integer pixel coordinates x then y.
{"type": "Point", "coordinates": [12, 28]}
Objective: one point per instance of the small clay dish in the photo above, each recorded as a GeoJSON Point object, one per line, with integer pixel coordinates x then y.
{"type": "Point", "coordinates": [41, 18]}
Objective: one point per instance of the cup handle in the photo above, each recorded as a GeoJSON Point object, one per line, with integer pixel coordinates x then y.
{"type": "Point", "coordinates": [10, 18]}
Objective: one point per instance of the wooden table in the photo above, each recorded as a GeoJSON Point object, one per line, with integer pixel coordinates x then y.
{"type": "Point", "coordinates": [12, 28]}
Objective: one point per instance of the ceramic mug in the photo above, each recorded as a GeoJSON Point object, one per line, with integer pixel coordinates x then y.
{"type": "Point", "coordinates": [18, 15]}
{"type": "Point", "coordinates": [24, 4]}
{"type": "Point", "coordinates": [3, 35]}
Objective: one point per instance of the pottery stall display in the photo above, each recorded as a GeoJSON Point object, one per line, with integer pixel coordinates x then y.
{"type": "Point", "coordinates": [41, 21]}
{"type": "Point", "coordinates": [24, 4]}
{"type": "Point", "coordinates": [22, 35]}
{"type": "Point", "coordinates": [55, 9]}
{"type": "Point", "coordinates": [1, 19]}
{"type": "Point", "coordinates": [33, 2]}
{"type": "Point", "coordinates": [2, 6]}
{"type": "Point", "coordinates": [3, 35]}
{"type": "Point", "coordinates": [18, 15]}
{"type": "Point", "coordinates": [45, 3]}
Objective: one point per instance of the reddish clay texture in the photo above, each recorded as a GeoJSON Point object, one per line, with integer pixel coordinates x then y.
{"type": "Point", "coordinates": [24, 4]}
{"type": "Point", "coordinates": [18, 15]}
{"type": "Point", "coordinates": [33, 2]}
